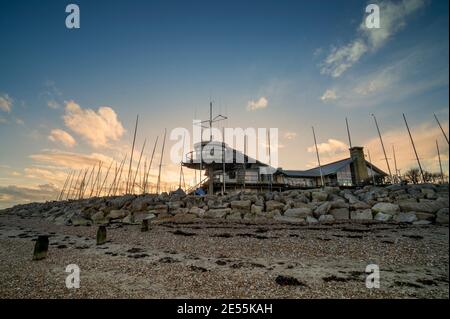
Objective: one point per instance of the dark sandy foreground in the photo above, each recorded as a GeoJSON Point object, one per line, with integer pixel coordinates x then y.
{"type": "Point", "coordinates": [225, 260]}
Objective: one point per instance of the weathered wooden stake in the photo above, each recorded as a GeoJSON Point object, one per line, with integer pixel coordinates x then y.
{"type": "Point", "coordinates": [144, 225]}
{"type": "Point", "coordinates": [41, 247]}
{"type": "Point", "coordinates": [101, 235]}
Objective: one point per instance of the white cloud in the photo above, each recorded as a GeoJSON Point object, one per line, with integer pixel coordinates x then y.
{"type": "Point", "coordinates": [329, 95]}
{"type": "Point", "coordinates": [261, 103]}
{"type": "Point", "coordinates": [290, 135]}
{"type": "Point", "coordinates": [330, 149]}
{"type": "Point", "coordinates": [97, 128]}
{"type": "Point", "coordinates": [392, 19]}
{"type": "Point", "coordinates": [20, 121]}
{"type": "Point", "coordinates": [53, 104]}
{"type": "Point", "coordinates": [63, 137]}
{"type": "Point", "coordinates": [6, 103]}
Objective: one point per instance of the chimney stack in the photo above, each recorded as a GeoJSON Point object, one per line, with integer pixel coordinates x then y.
{"type": "Point", "coordinates": [360, 173]}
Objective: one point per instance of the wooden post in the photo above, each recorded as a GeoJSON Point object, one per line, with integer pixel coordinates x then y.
{"type": "Point", "coordinates": [137, 169]}
{"type": "Point", "coordinates": [64, 186]}
{"type": "Point", "coordinates": [40, 247]}
{"type": "Point", "coordinates": [70, 186]}
{"type": "Point", "coordinates": [101, 235]}
{"type": "Point", "coordinates": [144, 225]}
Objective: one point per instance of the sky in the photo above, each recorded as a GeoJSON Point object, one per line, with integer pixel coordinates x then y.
{"type": "Point", "coordinates": [69, 97]}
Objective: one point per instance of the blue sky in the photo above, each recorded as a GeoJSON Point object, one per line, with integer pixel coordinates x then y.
{"type": "Point", "coordinates": [166, 59]}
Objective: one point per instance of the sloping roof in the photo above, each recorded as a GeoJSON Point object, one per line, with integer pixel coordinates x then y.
{"type": "Point", "coordinates": [327, 169]}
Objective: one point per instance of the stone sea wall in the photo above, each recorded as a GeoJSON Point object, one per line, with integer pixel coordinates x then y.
{"type": "Point", "coordinates": [415, 204]}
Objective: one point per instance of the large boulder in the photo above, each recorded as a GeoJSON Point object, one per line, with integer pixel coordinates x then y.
{"type": "Point", "coordinates": [117, 214]}
{"type": "Point", "coordinates": [326, 218]}
{"type": "Point", "coordinates": [387, 208]}
{"type": "Point", "coordinates": [403, 217]}
{"type": "Point", "coordinates": [322, 209]}
{"type": "Point", "coordinates": [442, 216]}
{"type": "Point", "coordinates": [425, 206]}
{"type": "Point", "coordinates": [241, 205]}
{"type": "Point", "coordinates": [311, 220]}
{"type": "Point", "coordinates": [80, 221]}
{"type": "Point", "coordinates": [256, 209]}
{"type": "Point", "coordinates": [340, 213]}
{"type": "Point", "coordinates": [298, 212]}
{"type": "Point", "coordinates": [365, 214]}
{"type": "Point", "coordinates": [199, 212]}
{"type": "Point", "coordinates": [382, 217]}
{"type": "Point", "coordinates": [319, 196]}
{"type": "Point", "coordinates": [272, 205]}
{"type": "Point", "coordinates": [218, 213]}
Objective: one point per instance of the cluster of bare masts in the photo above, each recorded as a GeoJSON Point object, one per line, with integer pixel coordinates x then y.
{"type": "Point", "coordinates": [394, 178]}
{"type": "Point", "coordinates": [91, 182]}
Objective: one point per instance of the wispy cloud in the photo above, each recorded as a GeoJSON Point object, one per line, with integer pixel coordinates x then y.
{"type": "Point", "coordinates": [61, 136]}
{"type": "Point", "coordinates": [97, 128]}
{"type": "Point", "coordinates": [69, 159]}
{"type": "Point", "coordinates": [12, 194]}
{"type": "Point", "coordinates": [254, 105]}
{"type": "Point", "coordinates": [290, 135]}
{"type": "Point", "coordinates": [6, 103]}
{"type": "Point", "coordinates": [329, 95]}
{"type": "Point", "coordinates": [392, 19]}
{"type": "Point", "coordinates": [53, 104]}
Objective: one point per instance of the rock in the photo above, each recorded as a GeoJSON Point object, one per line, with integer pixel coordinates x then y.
{"type": "Point", "coordinates": [144, 225]}
{"type": "Point", "coordinates": [80, 221]}
{"type": "Point", "coordinates": [405, 217]}
{"type": "Point", "coordinates": [326, 218]}
{"type": "Point", "coordinates": [288, 219]}
{"type": "Point", "coordinates": [218, 213]}
{"type": "Point", "coordinates": [272, 205]}
{"type": "Point", "coordinates": [387, 208]}
{"type": "Point", "coordinates": [241, 205]}
{"type": "Point", "coordinates": [442, 216]}
{"type": "Point", "coordinates": [273, 213]}
{"type": "Point", "coordinates": [429, 193]}
{"type": "Point", "coordinates": [360, 206]}
{"type": "Point", "coordinates": [319, 196]}
{"type": "Point", "coordinates": [255, 209]}
{"type": "Point", "coordinates": [97, 217]}
{"type": "Point", "coordinates": [365, 214]}
{"type": "Point", "coordinates": [235, 215]}
{"type": "Point", "coordinates": [352, 199]}
{"type": "Point", "coordinates": [339, 204]}
{"type": "Point", "coordinates": [425, 216]}
{"type": "Point", "coordinates": [298, 212]}
{"type": "Point", "coordinates": [322, 209]}
{"type": "Point", "coordinates": [422, 222]}
{"type": "Point", "coordinates": [340, 213]}
{"type": "Point", "coordinates": [129, 219]}
{"type": "Point", "coordinates": [311, 220]}
{"type": "Point", "coordinates": [199, 212]}
{"type": "Point", "coordinates": [424, 206]}
{"type": "Point", "coordinates": [117, 214]}
{"type": "Point", "coordinates": [382, 217]}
